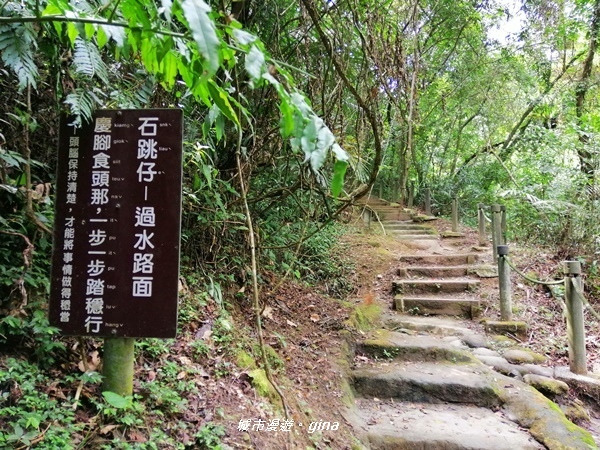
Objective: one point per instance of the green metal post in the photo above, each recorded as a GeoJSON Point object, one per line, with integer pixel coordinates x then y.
{"type": "Point", "coordinates": [118, 365]}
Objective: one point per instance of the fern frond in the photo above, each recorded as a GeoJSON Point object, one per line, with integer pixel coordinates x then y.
{"type": "Point", "coordinates": [82, 104]}
{"type": "Point", "coordinates": [17, 49]}
{"type": "Point", "coordinates": [87, 60]}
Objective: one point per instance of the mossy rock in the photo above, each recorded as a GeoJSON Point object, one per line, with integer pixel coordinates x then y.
{"type": "Point", "coordinates": [547, 386]}
{"type": "Point", "coordinates": [365, 317]}
{"type": "Point", "coordinates": [520, 355]}
{"type": "Point", "coordinates": [261, 383]}
{"type": "Point", "coordinates": [576, 411]}
{"type": "Point", "coordinates": [244, 360]}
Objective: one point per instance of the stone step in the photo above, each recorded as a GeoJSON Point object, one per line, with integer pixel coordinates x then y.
{"type": "Point", "coordinates": [481, 270]}
{"type": "Point", "coordinates": [426, 383]}
{"type": "Point", "coordinates": [393, 215]}
{"type": "Point", "coordinates": [409, 426]}
{"type": "Point", "coordinates": [397, 225]}
{"type": "Point", "coordinates": [434, 286]}
{"type": "Point", "coordinates": [432, 306]}
{"type": "Point", "coordinates": [409, 231]}
{"type": "Point", "coordinates": [440, 260]}
{"type": "Point", "coordinates": [406, 237]}
{"type": "Point", "coordinates": [385, 344]}
{"type": "Point", "coordinates": [440, 326]}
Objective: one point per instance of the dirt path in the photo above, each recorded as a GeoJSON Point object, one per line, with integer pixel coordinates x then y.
{"type": "Point", "coordinates": [430, 380]}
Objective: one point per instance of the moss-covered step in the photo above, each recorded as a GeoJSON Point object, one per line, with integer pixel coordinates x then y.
{"type": "Point", "coordinates": [469, 308]}
{"type": "Point", "coordinates": [392, 425]}
{"type": "Point", "coordinates": [392, 214]}
{"type": "Point", "coordinates": [440, 260]}
{"type": "Point", "coordinates": [507, 328]}
{"type": "Point", "coordinates": [385, 344]}
{"type": "Point", "coordinates": [452, 234]}
{"type": "Point", "coordinates": [395, 225]}
{"type": "Point", "coordinates": [426, 382]}
{"type": "Point", "coordinates": [433, 286]}
{"type": "Point", "coordinates": [410, 232]}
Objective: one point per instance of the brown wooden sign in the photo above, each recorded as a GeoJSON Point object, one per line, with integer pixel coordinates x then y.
{"type": "Point", "coordinates": [115, 264]}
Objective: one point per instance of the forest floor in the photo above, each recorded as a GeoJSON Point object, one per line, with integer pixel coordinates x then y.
{"type": "Point", "coordinates": [317, 327]}
{"type": "Point", "coordinates": [207, 389]}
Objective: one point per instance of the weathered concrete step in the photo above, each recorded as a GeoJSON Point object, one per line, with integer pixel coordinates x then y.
{"type": "Point", "coordinates": [401, 232]}
{"type": "Point", "coordinates": [396, 225]}
{"type": "Point", "coordinates": [426, 383]}
{"type": "Point", "coordinates": [393, 215]}
{"type": "Point", "coordinates": [482, 270]}
{"type": "Point", "coordinates": [440, 260]}
{"type": "Point", "coordinates": [434, 285]}
{"type": "Point", "coordinates": [431, 306]}
{"type": "Point", "coordinates": [440, 326]}
{"type": "Point", "coordinates": [433, 271]}
{"type": "Point", "coordinates": [400, 346]}
{"type": "Point", "coordinates": [404, 237]}
{"type": "Point", "coordinates": [417, 426]}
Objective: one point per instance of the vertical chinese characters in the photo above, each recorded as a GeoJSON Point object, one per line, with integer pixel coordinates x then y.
{"type": "Point", "coordinates": [97, 235]}
{"type": "Point", "coordinates": [145, 218]}
{"type": "Point", "coordinates": [69, 231]}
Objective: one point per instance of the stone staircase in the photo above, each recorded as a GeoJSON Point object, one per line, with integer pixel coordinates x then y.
{"type": "Point", "coordinates": [438, 284]}
{"type": "Point", "coordinates": [426, 380]}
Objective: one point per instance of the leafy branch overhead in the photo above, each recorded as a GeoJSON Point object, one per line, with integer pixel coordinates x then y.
{"type": "Point", "coordinates": [179, 43]}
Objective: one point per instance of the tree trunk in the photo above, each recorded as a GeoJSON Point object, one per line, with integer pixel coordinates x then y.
{"type": "Point", "coordinates": [587, 163]}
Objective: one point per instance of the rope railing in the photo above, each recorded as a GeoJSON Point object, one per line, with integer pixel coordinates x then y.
{"type": "Point", "coordinates": [573, 306]}
{"type": "Point", "coordinates": [533, 280]}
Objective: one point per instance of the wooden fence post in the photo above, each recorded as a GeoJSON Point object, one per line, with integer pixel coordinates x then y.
{"type": "Point", "coordinates": [481, 220]}
{"type": "Point", "coordinates": [503, 224]}
{"type": "Point", "coordinates": [496, 229]}
{"type": "Point", "coordinates": [454, 215]}
{"type": "Point", "coordinates": [367, 214]}
{"type": "Point", "coordinates": [428, 201]}
{"type": "Point", "coordinates": [575, 324]}
{"type": "Point", "coordinates": [411, 195]}
{"type": "Point", "coordinates": [504, 282]}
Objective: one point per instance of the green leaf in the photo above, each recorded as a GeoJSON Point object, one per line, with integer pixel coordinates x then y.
{"type": "Point", "coordinates": [286, 124]}
{"type": "Point", "coordinates": [17, 46]}
{"type": "Point", "coordinates": [101, 37]}
{"type": "Point", "coordinates": [90, 30]}
{"type": "Point", "coordinates": [72, 32]}
{"type": "Point", "coordinates": [255, 62]}
{"type": "Point", "coordinates": [221, 99]}
{"type": "Point", "coordinates": [203, 30]}
{"type": "Point", "coordinates": [167, 6]}
{"type": "Point", "coordinates": [116, 400]}
{"type": "Point", "coordinates": [169, 69]}
{"type": "Point", "coordinates": [243, 37]}
{"type": "Point", "coordinates": [116, 33]}
{"type": "Point", "coordinates": [87, 60]}
{"type": "Point", "coordinates": [337, 182]}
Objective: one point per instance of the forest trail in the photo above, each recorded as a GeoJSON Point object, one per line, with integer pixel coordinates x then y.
{"type": "Point", "coordinates": [428, 379]}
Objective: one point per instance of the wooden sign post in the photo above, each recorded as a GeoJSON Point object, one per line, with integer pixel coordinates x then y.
{"type": "Point", "coordinates": [115, 264]}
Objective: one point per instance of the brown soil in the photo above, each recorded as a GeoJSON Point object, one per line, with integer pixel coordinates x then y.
{"type": "Point", "coordinates": [312, 377]}
{"type": "Point", "coordinates": [306, 333]}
